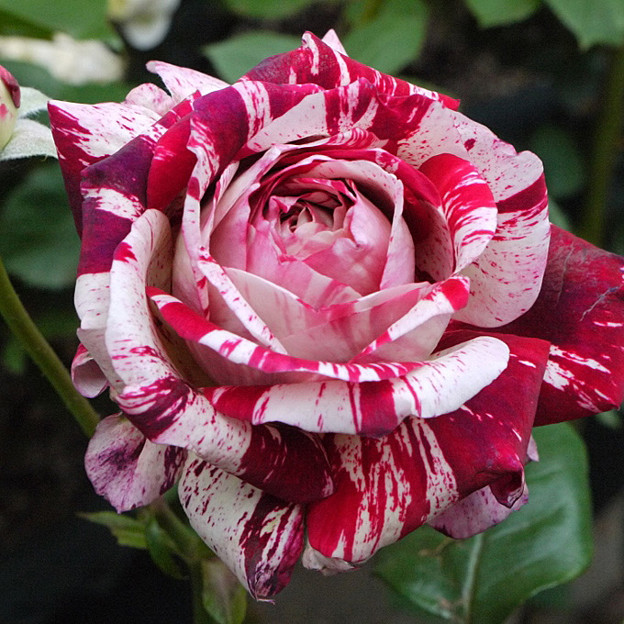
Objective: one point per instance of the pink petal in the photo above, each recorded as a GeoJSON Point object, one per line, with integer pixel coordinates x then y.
{"type": "Point", "coordinates": [580, 310]}
{"type": "Point", "coordinates": [150, 96]}
{"type": "Point", "coordinates": [360, 327]}
{"type": "Point", "coordinates": [389, 486]}
{"type": "Point", "coordinates": [258, 537]}
{"type": "Point", "coordinates": [126, 468]}
{"type": "Point", "coordinates": [333, 41]}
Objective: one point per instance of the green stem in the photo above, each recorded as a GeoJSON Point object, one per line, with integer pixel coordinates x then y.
{"type": "Point", "coordinates": [186, 540]}
{"type": "Point", "coordinates": [200, 616]}
{"type": "Point", "coordinates": [192, 549]}
{"type": "Point", "coordinates": [43, 355]}
{"type": "Point", "coordinates": [606, 138]}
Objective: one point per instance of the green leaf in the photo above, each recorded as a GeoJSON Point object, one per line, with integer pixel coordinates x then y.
{"type": "Point", "coordinates": [268, 9]}
{"type": "Point", "coordinates": [223, 597]}
{"type": "Point", "coordinates": [592, 21]}
{"type": "Point", "coordinates": [501, 12]}
{"type": "Point", "coordinates": [484, 578]}
{"type": "Point", "coordinates": [128, 531]}
{"type": "Point", "coordinates": [563, 165]}
{"type": "Point", "coordinates": [13, 26]}
{"type": "Point", "coordinates": [37, 236]}
{"type": "Point", "coordinates": [237, 55]}
{"type": "Point", "coordinates": [389, 38]}
{"type": "Point", "coordinates": [162, 549]}
{"type": "Point", "coordinates": [70, 16]}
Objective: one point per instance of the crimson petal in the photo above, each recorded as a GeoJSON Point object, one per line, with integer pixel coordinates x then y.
{"type": "Point", "coordinates": [580, 310]}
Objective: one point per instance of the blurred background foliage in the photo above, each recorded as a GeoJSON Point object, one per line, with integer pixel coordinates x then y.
{"type": "Point", "coordinates": [545, 75]}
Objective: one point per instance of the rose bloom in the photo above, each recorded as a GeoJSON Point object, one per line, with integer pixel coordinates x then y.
{"type": "Point", "coordinates": [329, 306]}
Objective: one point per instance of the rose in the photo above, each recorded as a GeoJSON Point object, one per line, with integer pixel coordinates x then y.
{"type": "Point", "coordinates": [324, 300]}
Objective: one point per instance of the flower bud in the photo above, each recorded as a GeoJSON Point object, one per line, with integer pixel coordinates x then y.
{"type": "Point", "coordinates": [9, 103]}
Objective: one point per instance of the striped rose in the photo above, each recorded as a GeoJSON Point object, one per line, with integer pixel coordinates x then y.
{"type": "Point", "coordinates": [327, 304]}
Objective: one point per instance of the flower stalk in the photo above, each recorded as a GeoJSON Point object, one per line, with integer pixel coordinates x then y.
{"type": "Point", "coordinates": [38, 348]}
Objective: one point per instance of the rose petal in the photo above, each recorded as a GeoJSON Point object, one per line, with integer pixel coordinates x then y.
{"type": "Point", "coordinates": [258, 537]}
{"type": "Point", "coordinates": [126, 468]}
{"type": "Point", "coordinates": [87, 376]}
{"type": "Point", "coordinates": [386, 488]}
{"type": "Point", "coordinates": [192, 327]}
{"type": "Point", "coordinates": [467, 203]}
{"type": "Point", "coordinates": [184, 83]}
{"type": "Point", "coordinates": [86, 133]}
{"type": "Point", "coordinates": [370, 408]}
{"type": "Point", "coordinates": [321, 63]}
{"type": "Point", "coordinates": [476, 513]}
{"type": "Point", "coordinates": [580, 310]}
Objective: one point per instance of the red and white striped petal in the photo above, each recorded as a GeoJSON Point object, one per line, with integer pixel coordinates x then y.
{"type": "Point", "coordinates": [126, 468]}
{"type": "Point", "coordinates": [220, 127]}
{"type": "Point", "coordinates": [183, 82]}
{"type": "Point", "coordinates": [436, 387]}
{"type": "Point", "coordinates": [420, 329]}
{"type": "Point", "coordinates": [257, 536]}
{"type": "Point", "coordinates": [517, 253]}
{"type": "Point", "coordinates": [580, 310]}
{"type": "Point", "coordinates": [194, 328]}
{"type": "Point", "coordinates": [389, 486]}
{"type": "Point", "coordinates": [322, 63]}
{"type": "Point", "coordinates": [467, 204]}
{"type": "Point", "coordinates": [86, 133]}
{"type": "Point", "coordinates": [165, 407]}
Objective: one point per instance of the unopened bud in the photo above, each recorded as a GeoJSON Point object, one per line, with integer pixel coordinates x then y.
{"type": "Point", "coordinates": [9, 103]}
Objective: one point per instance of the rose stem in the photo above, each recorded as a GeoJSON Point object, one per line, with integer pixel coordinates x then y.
{"type": "Point", "coordinates": [43, 355]}
{"type": "Point", "coordinates": [608, 127]}
{"type": "Point", "coordinates": [191, 548]}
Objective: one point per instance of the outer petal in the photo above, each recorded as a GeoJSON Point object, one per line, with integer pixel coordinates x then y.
{"type": "Point", "coordinates": [386, 488]}
{"type": "Point", "coordinates": [183, 82]}
{"type": "Point", "coordinates": [580, 310]}
{"type": "Point", "coordinates": [86, 133]}
{"type": "Point", "coordinates": [151, 391]}
{"type": "Point", "coordinates": [322, 63]}
{"type": "Point", "coordinates": [259, 537]}
{"type": "Point", "coordinates": [476, 513]}
{"type": "Point", "coordinates": [126, 468]}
